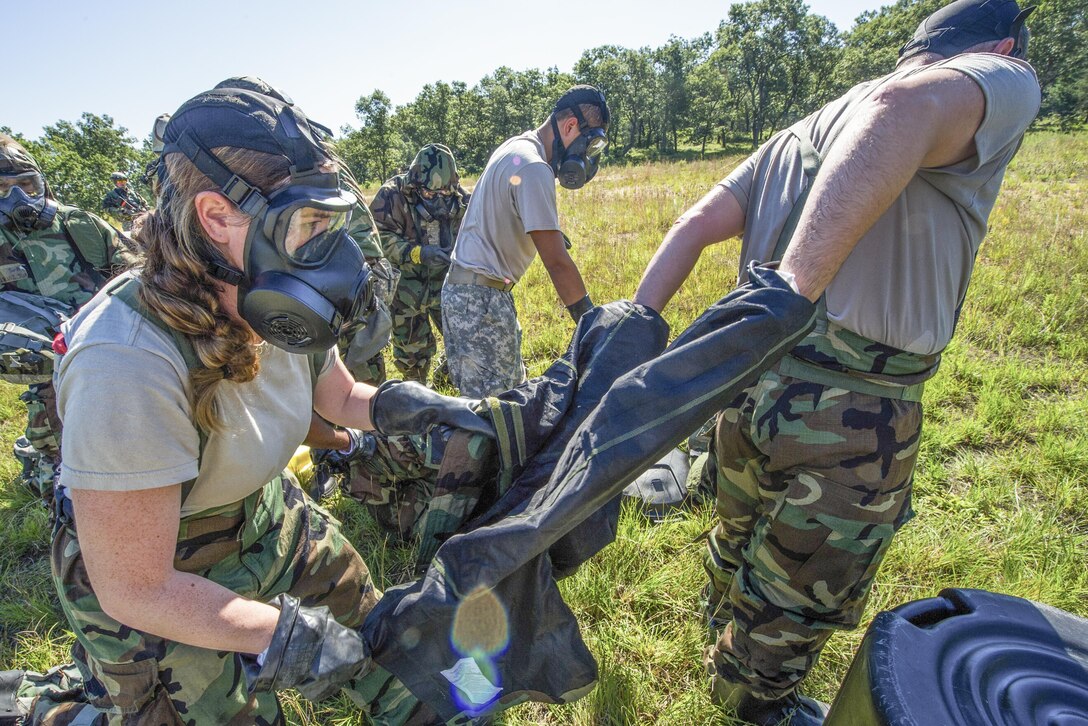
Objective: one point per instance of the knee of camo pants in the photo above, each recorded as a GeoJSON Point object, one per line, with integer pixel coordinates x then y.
{"type": "Point", "coordinates": [277, 540]}
{"type": "Point", "coordinates": [833, 487]}
{"type": "Point", "coordinates": [372, 372]}
{"type": "Point", "coordinates": [735, 465]}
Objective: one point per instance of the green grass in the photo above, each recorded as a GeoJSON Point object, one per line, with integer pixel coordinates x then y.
{"type": "Point", "coordinates": [1001, 489]}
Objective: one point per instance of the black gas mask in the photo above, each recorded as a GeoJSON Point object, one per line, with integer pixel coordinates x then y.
{"type": "Point", "coordinates": [576, 164]}
{"type": "Point", "coordinates": [304, 277]}
{"type": "Point", "coordinates": [24, 206]}
{"type": "Point", "coordinates": [439, 207]}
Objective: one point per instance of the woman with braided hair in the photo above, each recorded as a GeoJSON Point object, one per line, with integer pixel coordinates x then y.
{"type": "Point", "coordinates": [197, 576]}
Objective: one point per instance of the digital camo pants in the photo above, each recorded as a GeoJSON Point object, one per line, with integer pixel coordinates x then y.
{"type": "Point", "coordinates": [483, 339]}
{"type": "Point", "coordinates": [813, 482]}
{"type": "Point", "coordinates": [275, 541]}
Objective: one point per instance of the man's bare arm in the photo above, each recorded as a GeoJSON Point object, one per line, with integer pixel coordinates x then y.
{"type": "Point", "coordinates": [928, 120]}
{"type": "Point", "coordinates": [561, 268]}
{"type": "Point", "coordinates": [716, 217]}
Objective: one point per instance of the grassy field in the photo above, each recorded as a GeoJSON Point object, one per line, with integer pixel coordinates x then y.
{"type": "Point", "coordinates": [1001, 490]}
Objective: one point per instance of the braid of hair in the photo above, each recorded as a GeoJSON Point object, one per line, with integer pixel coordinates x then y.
{"type": "Point", "coordinates": [176, 284]}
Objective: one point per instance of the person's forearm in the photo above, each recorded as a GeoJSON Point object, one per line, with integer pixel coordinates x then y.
{"type": "Point", "coordinates": [567, 280]}
{"type": "Point", "coordinates": [669, 267]}
{"type": "Point", "coordinates": [196, 611]}
{"type": "Point", "coordinates": [323, 435]}
{"type": "Point", "coordinates": [716, 217]}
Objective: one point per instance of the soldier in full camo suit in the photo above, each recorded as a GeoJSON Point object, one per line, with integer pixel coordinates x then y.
{"type": "Point", "coordinates": [418, 214]}
{"type": "Point", "coordinates": [876, 204]}
{"type": "Point", "coordinates": [124, 203]}
{"type": "Point", "coordinates": [53, 258]}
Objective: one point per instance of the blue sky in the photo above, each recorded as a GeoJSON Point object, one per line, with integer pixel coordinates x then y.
{"type": "Point", "coordinates": [135, 60]}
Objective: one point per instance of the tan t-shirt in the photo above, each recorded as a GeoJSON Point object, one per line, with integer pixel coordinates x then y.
{"type": "Point", "coordinates": [514, 196]}
{"type": "Point", "coordinates": [904, 282]}
{"type": "Point", "coordinates": [122, 396]}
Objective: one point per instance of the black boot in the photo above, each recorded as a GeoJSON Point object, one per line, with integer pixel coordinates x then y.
{"type": "Point", "coordinates": [789, 710]}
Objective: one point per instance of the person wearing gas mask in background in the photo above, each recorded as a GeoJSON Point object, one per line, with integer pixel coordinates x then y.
{"type": "Point", "coordinates": [418, 214]}
{"type": "Point", "coordinates": [512, 217]}
{"type": "Point", "coordinates": [197, 576]}
{"type": "Point", "coordinates": [123, 203]}
{"type": "Point", "coordinates": [53, 258]}
{"type": "Point", "coordinates": [876, 205]}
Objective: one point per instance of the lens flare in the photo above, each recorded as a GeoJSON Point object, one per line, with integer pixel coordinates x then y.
{"type": "Point", "coordinates": [481, 633]}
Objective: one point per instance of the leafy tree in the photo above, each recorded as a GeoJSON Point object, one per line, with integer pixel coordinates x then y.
{"type": "Point", "coordinates": [675, 63]}
{"type": "Point", "coordinates": [78, 158]}
{"type": "Point", "coordinates": [1059, 52]}
{"type": "Point", "coordinates": [709, 110]}
{"type": "Point", "coordinates": [378, 142]}
{"type": "Point", "coordinates": [781, 58]}
{"type": "Point", "coordinates": [871, 48]}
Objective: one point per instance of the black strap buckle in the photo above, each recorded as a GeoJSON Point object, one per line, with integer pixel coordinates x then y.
{"type": "Point", "coordinates": [248, 198]}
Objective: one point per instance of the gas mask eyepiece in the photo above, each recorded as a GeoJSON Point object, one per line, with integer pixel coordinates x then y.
{"type": "Point", "coordinates": [23, 204]}
{"type": "Point", "coordinates": [582, 158]}
{"type": "Point", "coordinates": [306, 277]}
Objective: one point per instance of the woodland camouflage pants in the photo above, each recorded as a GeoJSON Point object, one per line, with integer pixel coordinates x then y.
{"type": "Point", "coordinates": [813, 482]}
{"type": "Point", "coordinates": [277, 540]}
{"type": "Point", "coordinates": [43, 436]}
{"type": "Point", "coordinates": [417, 314]}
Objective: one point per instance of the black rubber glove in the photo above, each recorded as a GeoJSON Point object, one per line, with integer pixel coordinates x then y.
{"type": "Point", "coordinates": [407, 407]}
{"type": "Point", "coordinates": [310, 651]}
{"type": "Point", "coordinates": [434, 256]}
{"type": "Point", "coordinates": [580, 308]}
{"type": "Point", "coordinates": [338, 461]}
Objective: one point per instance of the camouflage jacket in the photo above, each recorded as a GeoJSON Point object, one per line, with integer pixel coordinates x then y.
{"type": "Point", "coordinates": [404, 225]}
{"type": "Point", "coordinates": [365, 233]}
{"type": "Point", "coordinates": [68, 261]}
{"type": "Point", "coordinates": [123, 202]}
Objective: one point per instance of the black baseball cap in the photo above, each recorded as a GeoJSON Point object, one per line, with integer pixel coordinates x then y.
{"type": "Point", "coordinates": [965, 23]}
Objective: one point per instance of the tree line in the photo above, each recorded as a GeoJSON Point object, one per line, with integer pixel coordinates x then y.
{"type": "Point", "coordinates": [769, 63]}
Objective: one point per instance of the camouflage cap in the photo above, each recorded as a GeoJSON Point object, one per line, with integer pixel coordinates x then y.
{"type": "Point", "coordinates": [14, 159]}
{"type": "Point", "coordinates": [434, 168]}
{"type": "Point", "coordinates": [118, 176]}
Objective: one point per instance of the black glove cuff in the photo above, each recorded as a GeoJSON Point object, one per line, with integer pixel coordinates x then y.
{"type": "Point", "coordinates": [580, 308]}
{"type": "Point", "coordinates": [262, 678]}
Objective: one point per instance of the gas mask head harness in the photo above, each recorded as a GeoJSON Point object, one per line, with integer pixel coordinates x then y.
{"type": "Point", "coordinates": [576, 164]}
{"type": "Point", "coordinates": [304, 278]}
{"type": "Point", "coordinates": [966, 23]}
{"type": "Point", "coordinates": [25, 202]}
